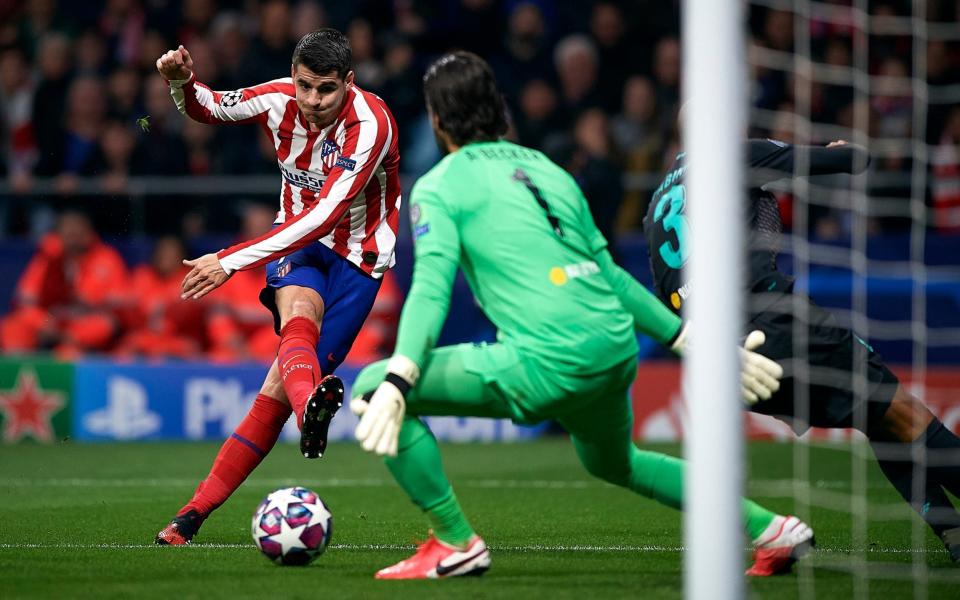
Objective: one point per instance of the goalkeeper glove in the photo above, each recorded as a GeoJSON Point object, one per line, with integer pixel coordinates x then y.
{"type": "Point", "coordinates": [759, 376]}
{"type": "Point", "coordinates": [382, 417]}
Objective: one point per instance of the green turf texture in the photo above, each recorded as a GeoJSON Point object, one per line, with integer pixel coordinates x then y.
{"type": "Point", "coordinates": [554, 531]}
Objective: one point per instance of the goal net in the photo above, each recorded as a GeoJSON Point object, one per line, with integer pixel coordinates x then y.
{"type": "Point", "coordinates": [876, 249]}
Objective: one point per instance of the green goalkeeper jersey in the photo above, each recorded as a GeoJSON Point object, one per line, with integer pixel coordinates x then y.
{"type": "Point", "coordinates": [520, 229]}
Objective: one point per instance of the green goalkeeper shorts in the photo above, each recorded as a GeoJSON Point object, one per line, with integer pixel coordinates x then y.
{"type": "Point", "coordinates": [498, 381]}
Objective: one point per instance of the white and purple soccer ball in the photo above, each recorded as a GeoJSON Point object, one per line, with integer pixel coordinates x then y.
{"type": "Point", "coordinates": [292, 526]}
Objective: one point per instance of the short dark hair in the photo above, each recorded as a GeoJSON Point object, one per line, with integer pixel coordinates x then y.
{"type": "Point", "coordinates": [323, 51]}
{"type": "Point", "coordinates": [461, 90]}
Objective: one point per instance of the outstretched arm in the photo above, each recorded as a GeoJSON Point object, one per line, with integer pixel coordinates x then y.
{"type": "Point", "coordinates": [770, 160]}
{"type": "Point", "coordinates": [650, 316]}
{"type": "Point", "coordinates": [204, 105]}
{"type": "Point", "coordinates": [436, 250]}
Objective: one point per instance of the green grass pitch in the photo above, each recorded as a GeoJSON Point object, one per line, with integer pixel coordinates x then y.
{"type": "Point", "coordinates": [78, 521]}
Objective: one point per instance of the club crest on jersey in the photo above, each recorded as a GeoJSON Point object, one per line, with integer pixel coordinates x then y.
{"type": "Point", "coordinates": [231, 98]}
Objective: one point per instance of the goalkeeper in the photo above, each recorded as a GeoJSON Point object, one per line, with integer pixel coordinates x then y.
{"type": "Point", "coordinates": [893, 420]}
{"type": "Point", "coordinates": [520, 229]}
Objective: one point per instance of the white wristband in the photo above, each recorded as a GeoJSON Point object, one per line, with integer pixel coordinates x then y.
{"type": "Point", "coordinates": [682, 340]}
{"type": "Point", "coordinates": [405, 368]}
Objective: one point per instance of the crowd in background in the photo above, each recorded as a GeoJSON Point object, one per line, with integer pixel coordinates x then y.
{"type": "Point", "coordinates": [596, 85]}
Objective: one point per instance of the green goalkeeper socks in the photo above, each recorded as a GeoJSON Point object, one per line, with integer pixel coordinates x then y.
{"type": "Point", "coordinates": [419, 471]}
{"type": "Point", "coordinates": [449, 523]}
{"type": "Point", "coordinates": [660, 477]}
{"type": "Point", "coordinates": [656, 476]}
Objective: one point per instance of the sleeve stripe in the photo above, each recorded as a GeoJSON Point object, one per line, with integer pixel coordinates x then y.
{"type": "Point", "coordinates": [285, 131]}
{"type": "Point", "coordinates": [203, 104]}
{"type": "Point", "coordinates": [367, 144]}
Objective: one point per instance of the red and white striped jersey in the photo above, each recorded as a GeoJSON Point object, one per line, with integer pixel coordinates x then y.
{"type": "Point", "coordinates": [341, 185]}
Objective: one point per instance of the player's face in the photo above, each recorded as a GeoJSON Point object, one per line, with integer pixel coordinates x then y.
{"type": "Point", "coordinates": [319, 97]}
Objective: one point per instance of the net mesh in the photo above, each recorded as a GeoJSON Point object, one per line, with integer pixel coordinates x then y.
{"type": "Point", "coordinates": [870, 72]}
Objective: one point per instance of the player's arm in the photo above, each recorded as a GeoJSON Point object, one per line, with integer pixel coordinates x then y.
{"type": "Point", "coordinates": [650, 316]}
{"type": "Point", "coordinates": [759, 376]}
{"type": "Point", "coordinates": [436, 255]}
{"type": "Point", "coordinates": [769, 160]}
{"type": "Point", "coordinates": [366, 144]}
{"type": "Point", "coordinates": [204, 105]}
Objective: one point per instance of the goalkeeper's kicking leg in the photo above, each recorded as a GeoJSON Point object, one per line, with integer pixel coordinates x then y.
{"type": "Point", "coordinates": [600, 419]}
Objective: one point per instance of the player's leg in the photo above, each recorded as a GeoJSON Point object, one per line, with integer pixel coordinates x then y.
{"type": "Point", "coordinates": [892, 419]}
{"type": "Point", "coordinates": [301, 312]}
{"type": "Point", "coordinates": [450, 384]}
{"type": "Point", "coordinates": [311, 290]}
{"type": "Point", "coordinates": [239, 455]}
{"type": "Point", "coordinates": [601, 432]}
{"type": "Point", "coordinates": [906, 424]}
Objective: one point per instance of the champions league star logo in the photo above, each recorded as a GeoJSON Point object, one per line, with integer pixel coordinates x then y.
{"type": "Point", "coordinates": [231, 98]}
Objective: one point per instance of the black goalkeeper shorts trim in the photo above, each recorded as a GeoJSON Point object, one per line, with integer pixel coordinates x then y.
{"type": "Point", "coordinates": [832, 379]}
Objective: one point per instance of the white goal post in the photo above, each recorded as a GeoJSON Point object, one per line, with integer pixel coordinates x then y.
{"type": "Point", "coordinates": [714, 75]}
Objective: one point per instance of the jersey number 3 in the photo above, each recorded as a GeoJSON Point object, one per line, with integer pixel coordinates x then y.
{"type": "Point", "coordinates": [670, 211]}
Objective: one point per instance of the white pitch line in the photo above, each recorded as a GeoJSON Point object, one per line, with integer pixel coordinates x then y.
{"type": "Point", "coordinates": [772, 486]}
{"type": "Point", "coordinates": [618, 548]}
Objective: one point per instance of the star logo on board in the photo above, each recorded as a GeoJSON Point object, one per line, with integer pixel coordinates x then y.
{"type": "Point", "coordinates": [28, 409]}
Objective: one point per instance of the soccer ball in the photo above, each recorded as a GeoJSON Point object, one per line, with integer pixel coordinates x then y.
{"type": "Point", "coordinates": [292, 526]}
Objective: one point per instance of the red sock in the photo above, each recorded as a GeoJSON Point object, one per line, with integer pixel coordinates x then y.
{"type": "Point", "coordinates": [297, 359]}
{"type": "Point", "coordinates": [240, 454]}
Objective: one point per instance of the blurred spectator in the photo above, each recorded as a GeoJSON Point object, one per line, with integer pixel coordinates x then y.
{"type": "Point", "coordinates": [537, 118]}
{"type": "Point", "coordinates": [369, 71]}
{"type": "Point", "coordinates": [198, 15]}
{"type": "Point", "coordinates": [526, 50]}
{"type": "Point", "coordinates": [893, 99]}
{"type": "Point", "coordinates": [19, 147]}
{"type": "Point", "coordinates": [666, 71]}
{"type": "Point", "coordinates": [230, 48]}
{"type": "Point", "coordinates": [122, 26]}
{"type": "Point", "coordinates": [48, 115]}
{"type": "Point", "coordinates": [240, 328]}
{"type": "Point", "coordinates": [617, 56]}
{"type": "Point", "coordinates": [307, 17]}
{"type": "Point", "coordinates": [575, 59]}
{"type": "Point", "coordinates": [640, 130]}
{"type": "Point", "coordinates": [116, 148]}
{"type": "Point", "coordinates": [89, 54]}
{"type": "Point", "coordinates": [123, 93]}
{"type": "Point", "coordinates": [161, 324]}
{"type": "Point", "coordinates": [946, 176]}
{"type": "Point", "coordinates": [85, 113]}
{"type": "Point", "coordinates": [70, 294]}
{"type": "Point", "coordinates": [40, 20]}
{"type": "Point", "coordinates": [160, 150]}
{"type": "Point", "coordinates": [269, 54]}
{"type": "Point", "coordinates": [402, 83]}
{"type": "Point", "coordinates": [593, 166]}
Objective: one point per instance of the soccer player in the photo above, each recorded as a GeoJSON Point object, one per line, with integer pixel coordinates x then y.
{"type": "Point", "coordinates": [333, 241]}
{"type": "Point", "coordinates": [519, 227]}
{"type": "Point", "coordinates": [891, 418]}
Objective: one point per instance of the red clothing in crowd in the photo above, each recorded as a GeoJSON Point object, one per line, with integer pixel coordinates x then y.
{"type": "Point", "coordinates": [71, 303]}
{"type": "Point", "coordinates": [240, 327]}
{"type": "Point", "coordinates": [162, 325]}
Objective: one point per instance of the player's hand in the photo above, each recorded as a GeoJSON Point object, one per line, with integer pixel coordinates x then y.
{"type": "Point", "coordinates": [759, 376]}
{"type": "Point", "coordinates": [837, 143]}
{"type": "Point", "coordinates": [206, 275]}
{"type": "Point", "coordinates": [175, 64]}
{"type": "Point", "coordinates": [379, 428]}
{"type": "Point", "coordinates": [382, 417]}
